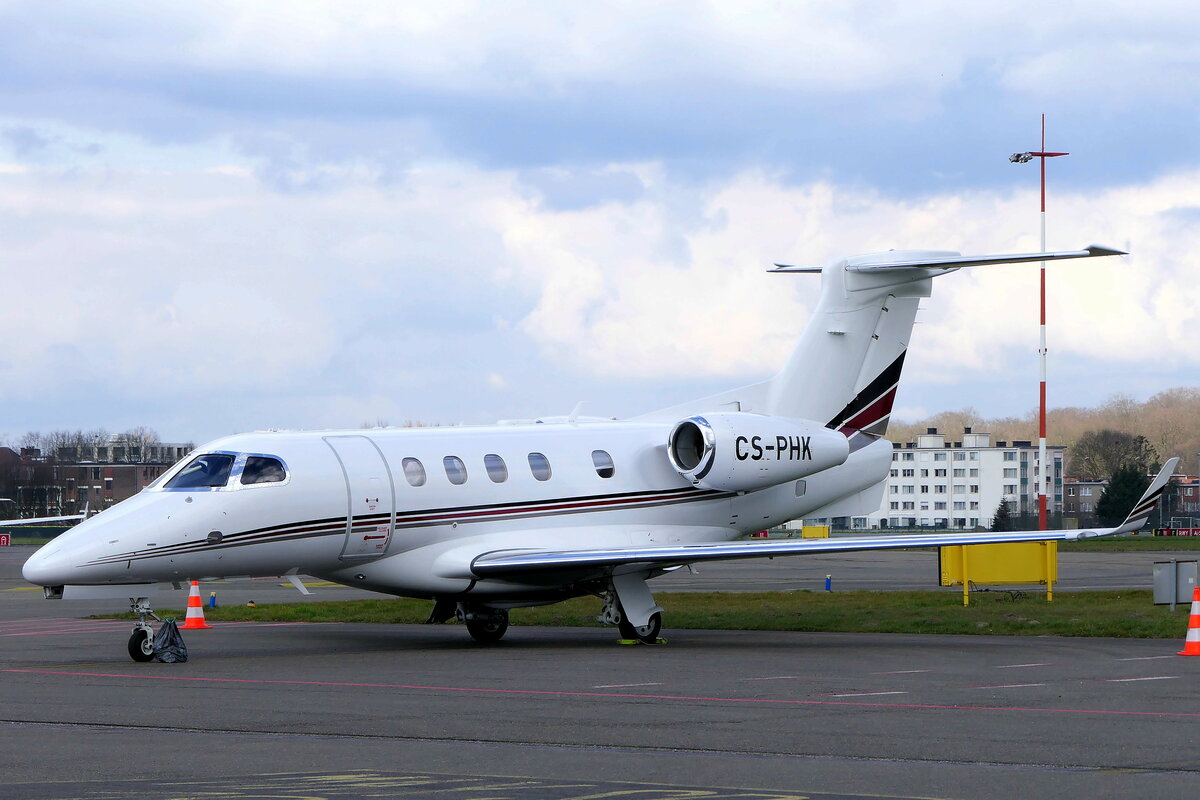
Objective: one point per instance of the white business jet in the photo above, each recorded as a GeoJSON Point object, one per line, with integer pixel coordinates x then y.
{"type": "Point", "coordinates": [484, 519]}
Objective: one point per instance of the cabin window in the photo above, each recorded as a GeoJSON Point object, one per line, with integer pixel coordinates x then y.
{"type": "Point", "coordinates": [207, 471]}
{"type": "Point", "coordinates": [539, 465]}
{"type": "Point", "coordinates": [414, 471]}
{"type": "Point", "coordinates": [604, 463]}
{"type": "Point", "coordinates": [456, 470]}
{"type": "Point", "coordinates": [496, 468]}
{"type": "Point", "coordinates": [262, 469]}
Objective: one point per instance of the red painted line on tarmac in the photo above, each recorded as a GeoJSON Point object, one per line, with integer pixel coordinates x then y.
{"type": "Point", "coordinates": [606, 695]}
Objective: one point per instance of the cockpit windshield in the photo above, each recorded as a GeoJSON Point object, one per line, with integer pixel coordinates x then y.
{"type": "Point", "coordinates": [208, 470]}
{"type": "Point", "coordinates": [262, 469]}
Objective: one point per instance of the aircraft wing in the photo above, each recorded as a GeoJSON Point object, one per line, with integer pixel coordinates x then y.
{"type": "Point", "coordinates": [515, 564]}
{"type": "Point", "coordinates": [39, 520]}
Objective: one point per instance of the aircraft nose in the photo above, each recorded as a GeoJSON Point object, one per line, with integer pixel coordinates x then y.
{"type": "Point", "coordinates": [44, 568]}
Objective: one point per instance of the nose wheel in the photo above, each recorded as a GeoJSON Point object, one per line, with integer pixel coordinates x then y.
{"type": "Point", "coordinates": [141, 644]}
{"type": "Point", "coordinates": [141, 641]}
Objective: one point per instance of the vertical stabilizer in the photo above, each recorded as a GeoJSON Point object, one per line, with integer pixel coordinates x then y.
{"type": "Point", "coordinates": [845, 369]}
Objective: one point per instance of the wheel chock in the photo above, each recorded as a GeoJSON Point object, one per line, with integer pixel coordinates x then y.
{"type": "Point", "coordinates": [659, 640]}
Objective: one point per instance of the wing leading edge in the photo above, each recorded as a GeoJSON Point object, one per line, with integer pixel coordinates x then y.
{"type": "Point", "coordinates": [512, 564]}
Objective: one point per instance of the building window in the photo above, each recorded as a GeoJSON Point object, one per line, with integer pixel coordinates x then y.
{"type": "Point", "coordinates": [939, 456]}
{"type": "Point", "coordinates": [1010, 473]}
{"type": "Point", "coordinates": [1010, 488]}
{"type": "Point", "coordinates": [894, 489]}
{"type": "Point", "coordinates": [939, 473]}
{"type": "Point", "coordinates": [1085, 508]}
{"type": "Point", "coordinates": [924, 489]}
{"type": "Point", "coordinates": [414, 472]}
{"type": "Point", "coordinates": [895, 473]}
{"type": "Point", "coordinates": [924, 473]}
{"type": "Point", "coordinates": [939, 506]}
{"type": "Point", "coordinates": [960, 505]}
{"type": "Point", "coordinates": [908, 473]}
{"type": "Point", "coordinates": [908, 506]}
{"type": "Point", "coordinates": [906, 489]}
{"type": "Point", "coordinates": [960, 473]}
{"type": "Point", "coordinates": [1070, 491]}
{"type": "Point", "coordinates": [974, 506]}
{"type": "Point", "coordinates": [974, 456]}
{"type": "Point", "coordinates": [539, 465]}
{"type": "Point", "coordinates": [1085, 491]}
{"type": "Point", "coordinates": [960, 488]}
{"type": "Point", "coordinates": [496, 468]}
{"type": "Point", "coordinates": [974, 488]}
{"type": "Point", "coordinates": [974, 473]}
{"type": "Point", "coordinates": [960, 456]}
{"type": "Point", "coordinates": [939, 488]}
{"type": "Point", "coordinates": [894, 506]}
{"type": "Point", "coordinates": [456, 470]}
{"type": "Point", "coordinates": [1010, 455]}
{"type": "Point", "coordinates": [907, 457]}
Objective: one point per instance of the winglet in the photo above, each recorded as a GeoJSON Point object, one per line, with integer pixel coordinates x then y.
{"type": "Point", "coordinates": [1141, 510]}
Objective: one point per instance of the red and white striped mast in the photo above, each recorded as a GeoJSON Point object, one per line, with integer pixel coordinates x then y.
{"type": "Point", "coordinates": [1043, 471]}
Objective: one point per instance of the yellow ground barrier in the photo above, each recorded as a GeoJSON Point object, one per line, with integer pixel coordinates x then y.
{"type": "Point", "coordinates": [994, 564]}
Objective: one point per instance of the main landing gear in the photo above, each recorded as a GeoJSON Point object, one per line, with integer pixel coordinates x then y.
{"type": "Point", "coordinates": [484, 623]}
{"type": "Point", "coordinates": [629, 605]}
{"type": "Point", "coordinates": [141, 641]}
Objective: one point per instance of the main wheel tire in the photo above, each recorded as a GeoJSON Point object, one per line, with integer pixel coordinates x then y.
{"type": "Point", "coordinates": [647, 634]}
{"type": "Point", "coordinates": [141, 646]}
{"type": "Point", "coordinates": [488, 630]}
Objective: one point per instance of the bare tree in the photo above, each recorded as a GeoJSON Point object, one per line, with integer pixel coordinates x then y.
{"type": "Point", "coordinates": [1098, 455]}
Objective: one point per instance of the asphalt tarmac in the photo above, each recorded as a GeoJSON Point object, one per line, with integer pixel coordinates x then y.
{"type": "Point", "coordinates": [295, 710]}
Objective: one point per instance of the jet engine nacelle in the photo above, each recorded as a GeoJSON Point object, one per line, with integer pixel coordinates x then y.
{"type": "Point", "coordinates": [740, 451]}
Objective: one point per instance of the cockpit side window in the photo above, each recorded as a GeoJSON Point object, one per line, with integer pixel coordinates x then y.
{"type": "Point", "coordinates": [263, 469]}
{"type": "Point", "coordinates": [204, 471]}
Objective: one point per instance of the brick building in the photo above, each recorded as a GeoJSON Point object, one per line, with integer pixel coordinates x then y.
{"type": "Point", "coordinates": [38, 485]}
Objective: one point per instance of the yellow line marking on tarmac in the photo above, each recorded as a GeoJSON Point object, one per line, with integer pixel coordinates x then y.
{"type": "Point", "coordinates": [1019, 666]}
{"type": "Point", "coordinates": [22, 589]}
{"type": "Point", "coordinates": [624, 685]}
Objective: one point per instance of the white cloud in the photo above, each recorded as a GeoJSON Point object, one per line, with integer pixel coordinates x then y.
{"type": "Point", "coordinates": [204, 286]}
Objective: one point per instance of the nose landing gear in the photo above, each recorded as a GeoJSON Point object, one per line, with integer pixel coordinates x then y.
{"type": "Point", "coordinates": [141, 641]}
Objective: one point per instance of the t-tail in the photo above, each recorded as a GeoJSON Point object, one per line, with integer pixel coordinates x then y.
{"type": "Point", "coordinates": [846, 366]}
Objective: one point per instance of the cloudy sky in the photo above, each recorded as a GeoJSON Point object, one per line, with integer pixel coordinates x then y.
{"type": "Point", "coordinates": [227, 216]}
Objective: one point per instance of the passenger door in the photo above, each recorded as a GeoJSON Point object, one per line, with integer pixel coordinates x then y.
{"type": "Point", "coordinates": [370, 496]}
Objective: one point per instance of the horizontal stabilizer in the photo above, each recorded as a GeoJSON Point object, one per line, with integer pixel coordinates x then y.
{"type": "Point", "coordinates": [924, 260]}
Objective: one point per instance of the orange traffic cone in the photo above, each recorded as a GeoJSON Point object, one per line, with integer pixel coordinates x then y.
{"type": "Point", "coordinates": [195, 611]}
{"type": "Point", "coordinates": [1191, 645]}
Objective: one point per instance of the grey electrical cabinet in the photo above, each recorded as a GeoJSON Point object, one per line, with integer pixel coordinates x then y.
{"type": "Point", "coordinates": [1174, 581]}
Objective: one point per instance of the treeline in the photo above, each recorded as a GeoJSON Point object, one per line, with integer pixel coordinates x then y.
{"type": "Point", "coordinates": [1169, 422]}
{"type": "Point", "coordinates": [81, 441]}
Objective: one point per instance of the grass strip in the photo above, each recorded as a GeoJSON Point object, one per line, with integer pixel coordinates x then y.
{"type": "Point", "coordinates": [1120, 614]}
{"type": "Point", "coordinates": [1131, 544]}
